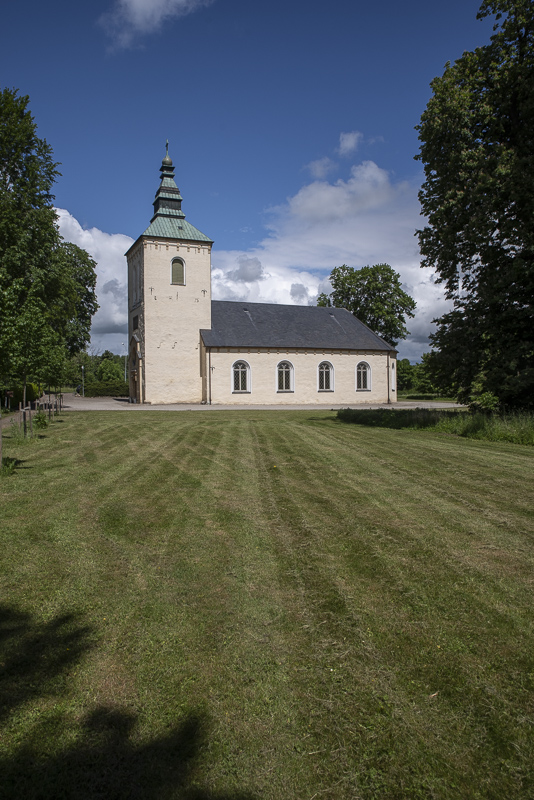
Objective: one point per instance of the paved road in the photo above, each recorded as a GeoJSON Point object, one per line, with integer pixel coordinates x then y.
{"type": "Point", "coordinates": [73, 403]}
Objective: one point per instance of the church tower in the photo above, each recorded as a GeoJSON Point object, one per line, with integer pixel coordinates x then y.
{"type": "Point", "coordinates": [169, 301]}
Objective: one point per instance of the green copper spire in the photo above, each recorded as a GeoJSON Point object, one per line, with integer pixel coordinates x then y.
{"type": "Point", "coordinates": [168, 201]}
{"type": "Point", "coordinates": [168, 221]}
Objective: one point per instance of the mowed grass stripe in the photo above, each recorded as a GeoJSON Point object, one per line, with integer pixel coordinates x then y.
{"type": "Point", "coordinates": [347, 609]}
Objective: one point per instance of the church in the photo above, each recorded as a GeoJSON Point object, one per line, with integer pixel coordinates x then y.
{"type": "Point", "coordinates": [185, 347]}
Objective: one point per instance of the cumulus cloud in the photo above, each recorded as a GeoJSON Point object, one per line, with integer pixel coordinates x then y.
{"type": "Point", "coordinates": [129, 19]}
{"type": "Point", "coordinates": [248, 270]}
{"type": "Point", "coordinates": [366, 219]}
{"type": "Point", "coordinates": [348, 142]}
{"type": "Point", "coordinates": [110, 323]}
{"type": "Point", "coordinates": [368, 186]}
{"type": "Point", "coordinates": [299, 293]}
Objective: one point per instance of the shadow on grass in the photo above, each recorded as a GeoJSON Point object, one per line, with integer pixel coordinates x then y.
{"type": "Point", "coordinates": [35, 656]}
{"type": "Point", "coordinates": [103, 762]}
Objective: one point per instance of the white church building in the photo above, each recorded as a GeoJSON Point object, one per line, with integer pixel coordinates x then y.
{"type": "Point", "coordinates": [187, 348]}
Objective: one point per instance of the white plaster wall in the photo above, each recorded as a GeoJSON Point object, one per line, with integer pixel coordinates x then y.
{"type": "Point", "coordinates": [263, 377]}
{"type": "Point", "coordinates": [173, 317]}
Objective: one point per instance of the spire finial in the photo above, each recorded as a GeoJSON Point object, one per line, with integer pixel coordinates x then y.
{"type": "Point", "coordinates": [167, 161]}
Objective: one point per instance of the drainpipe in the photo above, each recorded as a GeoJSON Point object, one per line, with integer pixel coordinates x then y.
{"type": "Point", "coordinates": [209, 376]}
{"type": "Point", "coordinates": [389, 396]}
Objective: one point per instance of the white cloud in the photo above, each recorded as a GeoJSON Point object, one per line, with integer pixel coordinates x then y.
{"type": "Point", "coordinates": [128, 19]}
{"type": "Point", "coordinates": [366, 219]}
{"type": "Point", "coordinates": [299, 293]}
{"type": "Point", "coordinates": [110, 323]}
{"type": "Point", "coordinates": [348, 142]}
{"type": "Point", "coordinates": [321, 168]}
{"type": "Point", "coordinates": [248, 270]}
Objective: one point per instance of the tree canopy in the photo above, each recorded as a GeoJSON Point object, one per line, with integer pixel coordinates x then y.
{"type": "Point", "coordinates": [375, 296]}
{"type": "Point", "coordinates": [47, 286]}
{"type": "Point", "coordinates": [477, 148]}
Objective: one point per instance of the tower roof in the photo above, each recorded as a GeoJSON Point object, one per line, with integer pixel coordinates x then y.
{"type": "Point", "coordinates": [169, 221]}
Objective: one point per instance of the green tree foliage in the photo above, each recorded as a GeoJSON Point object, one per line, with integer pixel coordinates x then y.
{"type": "Point", "coordinates": [109, 372]}
{"type": "Point", "coordinates": [477, 147]}
{"type": "Point", "coordinates": [415, 377]}
{"type": "Point", "coordinates": [422, 376]}
{"type": "Point", "coordinates": [375, 296]}
{"type": "Point", "coordinates": [47, 286]}
{"type": "Point", "coordinates": [405, 374]}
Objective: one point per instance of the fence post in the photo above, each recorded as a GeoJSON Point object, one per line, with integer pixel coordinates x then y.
{"type": "Point", "coordinates": [31, 426]}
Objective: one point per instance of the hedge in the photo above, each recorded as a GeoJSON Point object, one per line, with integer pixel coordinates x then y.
{"type": "Point", "coordinates": [107, 389]}
{"type": "Point", "coordinates": [32, 393]}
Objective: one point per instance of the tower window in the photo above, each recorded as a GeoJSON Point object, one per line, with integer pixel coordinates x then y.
{"type": "Point", "coordinates": [178, 272]}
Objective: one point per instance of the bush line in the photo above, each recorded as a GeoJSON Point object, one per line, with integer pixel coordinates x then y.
{"type": "Point", "coordinates": [517, 428]}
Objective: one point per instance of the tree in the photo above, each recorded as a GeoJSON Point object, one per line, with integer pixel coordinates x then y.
{"type": "Point", "coordinates": [405, 374]}
{"type": "Point", "coordinates": [375, 296]}
{"type": "Point", "coordinates": [477, 147]}
{"type": "Point", "coordinates": [47, 286]}
{"type": "Point", "coordinates": [109, 372]}
{"type": "Point", "coordinates": [422, 376]}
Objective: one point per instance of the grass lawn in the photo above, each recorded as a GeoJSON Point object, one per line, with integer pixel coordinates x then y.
{"type": "Point", "coordinates": [244, 605]}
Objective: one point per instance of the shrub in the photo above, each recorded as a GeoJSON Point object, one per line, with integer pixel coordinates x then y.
{"type": "Point", "coordinates": [40, 420]}
{"type": "Point", "coordinates": [32, 393]}
{"type": "Point", "coordinates": [486, 402]}
{"type": "Point", "coordinates": [8, 465]}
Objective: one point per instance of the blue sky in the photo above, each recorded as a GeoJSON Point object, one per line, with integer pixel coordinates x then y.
{"type": "Point", "coordinates": [291, 127]}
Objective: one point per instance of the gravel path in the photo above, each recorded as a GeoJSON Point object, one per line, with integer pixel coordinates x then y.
{"type": "Point", "coordinates": [73, 403]}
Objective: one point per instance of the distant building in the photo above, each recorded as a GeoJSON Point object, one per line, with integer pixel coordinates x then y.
{"type": "Point", "coordinates": [187, 348]}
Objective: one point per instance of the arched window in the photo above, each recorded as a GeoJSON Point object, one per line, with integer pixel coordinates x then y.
{"type": "Point", "coordinates": [240, 377]}
{"type": "Point", "coordinates": [326, 377]}
{"type": "Point", "coordinates": [178, 272]}
{"type": "Point", "coordinates": [393, 377]}
{"type": "Point", "coordinates": [284, 372]}
{"type": "Point", "coordinates": [363, 377]}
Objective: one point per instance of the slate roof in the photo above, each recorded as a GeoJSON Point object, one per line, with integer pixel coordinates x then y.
{"type": "Point", "coordinates": [268, 325]}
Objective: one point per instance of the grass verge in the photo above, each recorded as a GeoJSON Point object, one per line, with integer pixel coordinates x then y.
{"type": "Point", "coordinates": [265, 605]}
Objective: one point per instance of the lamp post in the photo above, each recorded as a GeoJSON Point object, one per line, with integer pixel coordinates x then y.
{"type": "Point", "coordinates": [83, 381]}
